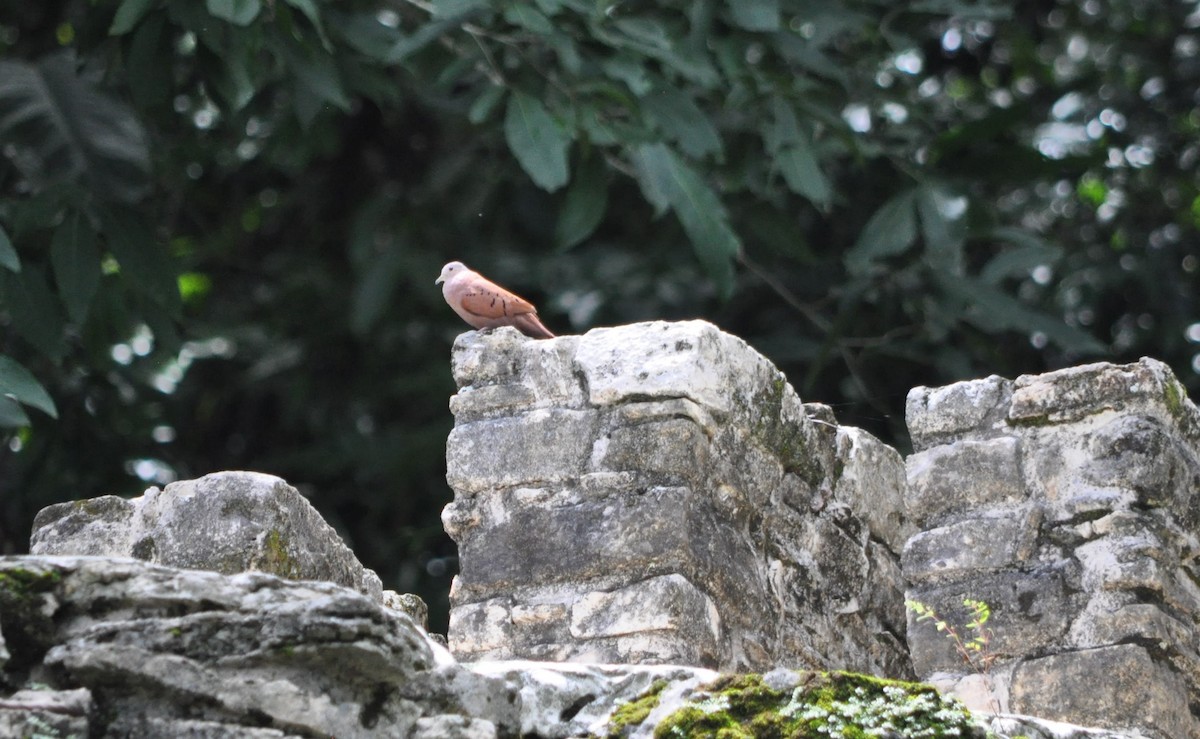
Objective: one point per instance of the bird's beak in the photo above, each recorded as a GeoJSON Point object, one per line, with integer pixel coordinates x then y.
{"type": "Point", "coordinates": [438, 281]}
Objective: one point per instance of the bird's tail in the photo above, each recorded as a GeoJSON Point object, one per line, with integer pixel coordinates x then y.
{"type": "Point", "coordinates": [528, 324]}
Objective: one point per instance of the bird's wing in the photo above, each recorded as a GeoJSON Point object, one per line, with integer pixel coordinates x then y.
{"type": "Point", "coordinates": [483, 298]}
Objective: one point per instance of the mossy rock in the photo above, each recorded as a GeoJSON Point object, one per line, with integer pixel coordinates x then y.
{"type": "Point", "coordinates": [821, 704]}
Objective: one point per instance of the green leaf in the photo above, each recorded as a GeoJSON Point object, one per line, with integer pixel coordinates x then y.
{"type": "Point", "coordinates": [424, 36]}
{"type": "Point", "coordinates": [537, 140]}
{"type": "Point", "coordinates": [891, 230]}
{"type": "Point", "coordinates": [146, 266]}
{"type": "Point", "coordinates": [528, 18]}
{"type": "Point", "coordinates": [944, 226]}
{"type": "Point", "coordinates": [991, 310]}
{"type": "Point", "coordinates": [630, 69]}
{"type": "Point", "coordinates": [237, 12]}
{"type": "Point", "coordinates": [316, 74]}
{"type": "Point", "coordinates": [309, 9]}
{"type": "Point", "coordinates": [67, 130]}
{"type": "Point", "coordinates": [12, 416]}
{"type": "Point", "coordinates": [128, 14]}
{"type": "Point", "coordinates": [454, 8]}
{"type": "Point", "coordinates": [1030, 251]}
{"type": "Point", "coordinates": [21, 385]}
{"type": "Point", "coordinates": [755, 15]}
{"type": "Point", "coordinates": [76, 261]}
{"type": "Point", "coordinates": [803, 173]}
{"type": "Point", "coordinates": [148, 69]}
{"type": "Point", "coordinates": [363, 32]}
{"type": "Point", "coordinates": [34, 311]}
{"type": "Point", "coordinates": [681, 120]}
{"type": "Point", "coordinates": [699, 210]}
{"type": "Point", "coordinates": [783, 129]}
{"type": "Point", "coordinates": [487, 101]}
{"type": "Point", "coordinates": [586, 201]}
{"type": "Point", "coordinates": [8, 255]}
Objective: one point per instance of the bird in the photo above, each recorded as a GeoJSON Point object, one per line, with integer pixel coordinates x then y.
{"type": "Point", "coordinates": [484, 304]}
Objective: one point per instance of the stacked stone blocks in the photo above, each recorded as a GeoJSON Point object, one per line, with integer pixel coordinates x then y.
{"type": "Point", "coordinates": [657, 493]}
{"type": "Point", "coordinates": [1068, 502]}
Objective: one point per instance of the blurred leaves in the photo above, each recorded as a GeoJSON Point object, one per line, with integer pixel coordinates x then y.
{"type": "Point", "coordinates": [68, 130]}
{"type": "Point", "coordinates": [19, 384]}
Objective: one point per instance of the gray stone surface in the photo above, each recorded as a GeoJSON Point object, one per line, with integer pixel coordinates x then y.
{"type": "Point", "coordinates": [172, 652]}
{"type": "Point", "coordinates": [657, 493]}
{"type": "Point", "coordinates": [1070, 503]}
{"type": "Point", "coordinates": [46, 713]}
{"type": "Point", "coordinates": [227, 522]}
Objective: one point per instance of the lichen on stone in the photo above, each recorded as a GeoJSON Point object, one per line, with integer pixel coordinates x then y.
{"type": "Point", "coordinates": [821, 704]}
{"type": "Point", "coordinates": [277, 559]}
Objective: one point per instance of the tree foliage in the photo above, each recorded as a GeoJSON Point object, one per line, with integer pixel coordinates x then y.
{"type": "Point", "coordinates": [220, 221]}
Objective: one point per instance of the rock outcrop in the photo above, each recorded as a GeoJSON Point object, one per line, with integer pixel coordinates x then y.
{"type": "Point", "coordinates": [118, 647]}
{"type": "Point", "coordinates": [228, 522]}
{"type": "Point", "coordinates": [657, 493]}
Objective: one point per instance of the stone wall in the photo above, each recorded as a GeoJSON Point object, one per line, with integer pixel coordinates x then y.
{"type": "Point", "coordinates": [1070, 502]}
{"type": "Point", "coordinates": [657, 493]}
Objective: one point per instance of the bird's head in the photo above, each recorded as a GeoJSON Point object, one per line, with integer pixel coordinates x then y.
{"type": "Point", "coordinates": [449, 271]}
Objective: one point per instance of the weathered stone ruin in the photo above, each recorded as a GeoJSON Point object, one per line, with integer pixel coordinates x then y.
{"type": "Point", "coordinates": [1070, 502]}
{"type": "Point", "coordinates": [655, 497]}
{"type": "Point", "coordinates": [658, 493]}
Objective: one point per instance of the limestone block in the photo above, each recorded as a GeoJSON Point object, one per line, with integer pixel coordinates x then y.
{"type": "Point", "coordinates": [872, 484]}
{"type": "Point", "coordinates": [1076, 392]}
{"type": "Point", "coordinates": [227, 522]}
{"type": "Point", "coordinates": [541, 446]}
{"type": "Point", "coordinates": [1123, 563]}
{"type": "Point", "coordinates": [945, 414]}
{"type": "Point", "coordinates": [1140, 453]}
{"type": "Point", "coordinates": [1029, 727]}
{"type": "Point", "coordinates": [966, 477]}
{"type": "Point", "coordinates": [669, 603]}
{"type": "Point", "coordinates": [671, 452]}
{"type": "Point", "coordinates": [690, 359]}
{"type": "Point", "coordinates": [157, 726]}
{"type": "Point", "coordinates": [573, 700]}
{"type": "Point", "coordinates": [502, 370]}
{"type": "Point", "coordinates": [46, 713]}
{"type": "Point", "coordinates": [976, 546]}
{"type": "Point", "coordinates": [1031, 613]}
{"type": "Point", "coordinates": [453, 727]}
{"type": "Point", "coordinates": [589, 540]}
{"type": "Point", "coordinates": [1114, 687]}
{"type": "Point", "coordinates": [481, 628]}
{"type": "Point", "coordinates": [1107, 621]}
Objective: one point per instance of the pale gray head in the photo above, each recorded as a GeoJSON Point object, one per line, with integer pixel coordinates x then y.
{"type": "Point", "coordinates": [451, 269]}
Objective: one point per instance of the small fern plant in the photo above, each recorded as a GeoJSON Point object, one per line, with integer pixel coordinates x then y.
{"type": "Point", "coordinates": [975, 646]}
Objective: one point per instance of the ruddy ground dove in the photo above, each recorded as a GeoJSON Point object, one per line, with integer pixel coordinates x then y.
{"type": "Point", "coordinates": [484, 304]}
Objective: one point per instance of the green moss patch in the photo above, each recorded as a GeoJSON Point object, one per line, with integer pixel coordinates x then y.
{"type": "Point", "coordinates": [19, 583]}
{"type": "Point", "coordinates": [834, 704]}
{"type": "Point", "coordinates": [635, 712]}
{"type": "Point", "coordinates": [278, 559]}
